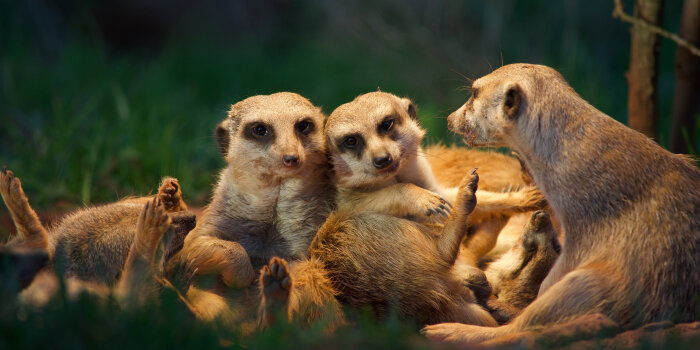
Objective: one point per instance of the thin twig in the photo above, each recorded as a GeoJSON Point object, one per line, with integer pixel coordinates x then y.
{"type": "Point", "coordinates": [618, 12]}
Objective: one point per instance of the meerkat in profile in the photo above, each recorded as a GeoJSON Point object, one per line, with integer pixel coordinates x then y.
{"type": "Point", "coordinates": [30, 250]}
{"type": "Point", "coordinates": [630, 209]}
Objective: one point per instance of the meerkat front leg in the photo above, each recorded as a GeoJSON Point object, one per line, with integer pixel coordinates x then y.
{"type": "Point", "coordinates": [455, 229]}
{"type": "Point", "coordinates": [402, 200]}
{"type": "Point", "coordinates": [29, 228]}
{"type": "Point", "coordinates": [137, 284]}
{"type": "Point", "coordinates": [275, 286]}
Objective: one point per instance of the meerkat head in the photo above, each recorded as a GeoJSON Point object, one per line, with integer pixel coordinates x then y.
{"type": "Point", "coordinates": [370, 137]}
{"type": "Point", "coordinates": [276, 134]}
{"type": "Point", "coordinates": [502, 102]}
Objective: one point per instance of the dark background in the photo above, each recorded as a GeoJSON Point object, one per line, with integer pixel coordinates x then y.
{"type": "Point", "coordinates": [100, 99]}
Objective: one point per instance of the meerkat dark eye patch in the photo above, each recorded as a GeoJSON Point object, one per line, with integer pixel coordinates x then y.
{"type": "Point", "coordinates": [305, 127]}
{"type": "Point", "coordinates": [386, 125]}
{"type": "Point", "coordinates": [351, 143]}
{"type": "Point", "coordinates": [258, 131]}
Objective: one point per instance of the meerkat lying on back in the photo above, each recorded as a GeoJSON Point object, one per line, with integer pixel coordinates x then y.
{"type": "Point", "coordinates": [92, 244]}
{"type": "Point", "coordinates": [133, 277]}
{"type": "Point", "coordinates": [630, 209]}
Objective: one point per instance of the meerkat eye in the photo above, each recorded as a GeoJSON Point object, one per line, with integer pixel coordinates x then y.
{"type": "Point", "coordinates": [260, 130]}
{"type": "Point", "coordinates": [475, 93]}
{"type": "Point", "coordinates": [350, 142]}
{"type": "Point", "coordinates": [386, 125]}
{"type": "Point", "coordinates": [305, 126]}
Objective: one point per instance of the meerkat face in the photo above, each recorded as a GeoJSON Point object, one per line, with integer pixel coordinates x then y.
{"type": "Point", "coordinates": [276, 135]}
{"type": "Point", "coordinates": [370, 137]}
{"type": "Point", "coordinates": [491, 113]}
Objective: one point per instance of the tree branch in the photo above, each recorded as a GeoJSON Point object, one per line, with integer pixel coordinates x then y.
{"type": "Point", "coordinates": [618, 12]}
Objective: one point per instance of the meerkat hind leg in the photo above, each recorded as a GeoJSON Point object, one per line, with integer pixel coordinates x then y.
{"type": "Point", "coordinates": [29, 228]}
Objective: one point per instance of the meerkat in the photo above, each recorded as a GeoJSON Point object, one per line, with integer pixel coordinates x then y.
{"type": "Point", "coordinates": [29, 251]}
{"type": "Point", "coordinates": [630, 209]}
{"type": "Point", "coordinates": [269, 201]}
{"type": "Point", "coordinates": [378, 161]}
{"type": "Point", "coordinates": [384, 262]}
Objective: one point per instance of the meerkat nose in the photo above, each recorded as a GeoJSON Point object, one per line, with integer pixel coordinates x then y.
{"type": "Point", "coordinates": [382, 162]}
{"type": "Point", "coordinates": [290, 161]}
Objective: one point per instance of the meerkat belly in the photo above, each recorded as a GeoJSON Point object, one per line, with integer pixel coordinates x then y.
{"type": "Point", "coordinates": [376, 260]}
{"type": "Point", "coordinates": [93, 244]}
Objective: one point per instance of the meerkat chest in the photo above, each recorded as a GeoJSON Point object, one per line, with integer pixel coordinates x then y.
{"type": "Point", "coordinates": [256, 205]}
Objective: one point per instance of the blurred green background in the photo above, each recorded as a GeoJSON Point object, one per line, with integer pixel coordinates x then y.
{"type": "Point", "coordinates": [100, 99]}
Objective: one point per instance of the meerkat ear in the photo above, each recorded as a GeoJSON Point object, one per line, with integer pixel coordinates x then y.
{"type": "Point", "coordinates": [410, 108]}
{"type": "Point", "coordinates": [222, 136]}
{"type": "Point", "coordinates": [512, 101]}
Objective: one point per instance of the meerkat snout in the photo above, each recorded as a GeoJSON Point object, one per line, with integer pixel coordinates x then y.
{"type": "Point", "coordinates": [291, 161]}
{"type": "Point", "coordinates": [382, 162]}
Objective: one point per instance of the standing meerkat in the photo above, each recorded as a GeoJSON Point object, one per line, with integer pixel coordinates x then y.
{"type": "Point", "coordinates": [630, 209]}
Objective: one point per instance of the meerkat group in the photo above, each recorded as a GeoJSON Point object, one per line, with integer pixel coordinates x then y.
{"type": "Point", "coordinates": [314, 214]}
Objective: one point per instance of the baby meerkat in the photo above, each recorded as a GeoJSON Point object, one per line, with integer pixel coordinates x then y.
{"type": "Point", "coordinates": [137, 280]}
{"type": "Point", "coordinates": [92, 244]}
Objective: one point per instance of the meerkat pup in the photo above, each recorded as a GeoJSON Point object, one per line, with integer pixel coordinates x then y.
{"type": "Point", "coordinates": [630, 209]}
{"type": "Point", "coordinates": [91, 244]}
{"type": "Point", "coordinates": [30, 249]}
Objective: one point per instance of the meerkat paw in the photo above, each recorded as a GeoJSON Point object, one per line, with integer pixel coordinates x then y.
{"type": "Point", "coordinates": [151, 225]}
{"type": "Point", "coordinates": [180, 273]}
{"type": "Point", "coordinates": [540, 235]}
{"type": "Point", "coordinates": [530, 198]}
{"type": "Point", "coordinates": [275, 285]}
{"type": "Point", "coordinates": [466, 197]}
{"type": "Point", "coordinates": [450, 332]}
{"type": "Point", "coordinates": [170, 194]}
{"type": "Point", "coordinates": [431, 206]}
{"type": "Point", "coordinates": [275, 282]}
{"type": "Point", "coordinates": [11, 189]}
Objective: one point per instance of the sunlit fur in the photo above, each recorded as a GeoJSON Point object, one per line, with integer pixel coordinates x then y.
{"type": "Point", "coordinates": [115, 246]}
{"type": "Point", "coordinates": [630, 209]}
{"type": "Point", "coordinates": [262, 208]}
